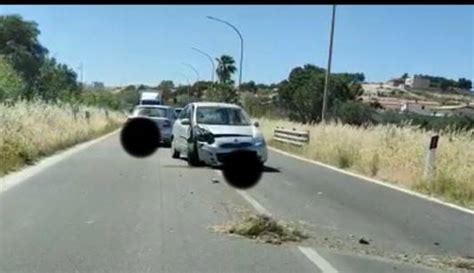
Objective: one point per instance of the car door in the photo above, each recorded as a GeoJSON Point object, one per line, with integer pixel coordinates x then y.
{"type": "Point", "coordinates": [187, 128]}
{"type": "Point", "coordinates": [179, 130]}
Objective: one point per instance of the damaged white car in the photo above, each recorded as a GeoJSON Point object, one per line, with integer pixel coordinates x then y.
{"type": "Point", "coordinates": [207, 131]}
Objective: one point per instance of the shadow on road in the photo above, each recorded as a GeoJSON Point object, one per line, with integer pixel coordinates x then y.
{"type": "Point", "coordinates": [268, 169]}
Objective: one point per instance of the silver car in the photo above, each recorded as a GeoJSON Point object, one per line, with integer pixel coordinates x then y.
{"type": "Point", "coordinates": [164, 117]}
{"type": "Point", "coordinates": [206, 131]}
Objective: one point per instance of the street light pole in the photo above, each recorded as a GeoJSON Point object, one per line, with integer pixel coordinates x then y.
{"type": "Point", "coordinates": [210, 59]}
{"type": "Point", "coordinates": [328, 71]}
{"type": "Point", "coordinates": [241, 44]}
{"type": "Point", "coordinates": [81, 68]}
{"type": "Point", "coordinates": [194, 69]}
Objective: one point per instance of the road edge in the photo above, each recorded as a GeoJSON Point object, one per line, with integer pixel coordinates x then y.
{"type": "Point", "coordinates": [379, 182]}
{"type": "Point", "coordinates": [15, 178]}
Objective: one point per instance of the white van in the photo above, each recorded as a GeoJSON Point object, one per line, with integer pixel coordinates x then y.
{"type": "Point", "coordinates": [150, 98]}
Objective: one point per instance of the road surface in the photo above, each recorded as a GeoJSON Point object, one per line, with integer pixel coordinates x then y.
{"type": "Point", "coordinates": [100, 210]}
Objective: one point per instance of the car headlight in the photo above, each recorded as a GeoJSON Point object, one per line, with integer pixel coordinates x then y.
{"type": "Point", "coordinates": [203, 135]}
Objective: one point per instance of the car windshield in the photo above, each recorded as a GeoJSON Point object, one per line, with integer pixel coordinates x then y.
{"type": "Point", "coordinates": [151, 112]}
{"type": "Point", "coordinates": [150, 102]}
{"type": "Point", "coordinates": [221, 116]}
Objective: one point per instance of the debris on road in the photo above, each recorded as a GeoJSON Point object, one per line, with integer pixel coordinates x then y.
{"type": "Point", "coordinates": [464, 263]}
{"type": "Point", "coordinates": [364, 241]}
{"type": "Point", "coordinates": [215, 180]}
{"type": "Point", "coordinates": [263, 228]}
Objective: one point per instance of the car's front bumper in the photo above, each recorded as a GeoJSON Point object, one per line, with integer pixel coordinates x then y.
{"type": "Point", "coordinates": [213, 154]}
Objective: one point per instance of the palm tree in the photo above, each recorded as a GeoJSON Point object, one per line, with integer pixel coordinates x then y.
{"type": "Point", "coordinates": [225, 68]}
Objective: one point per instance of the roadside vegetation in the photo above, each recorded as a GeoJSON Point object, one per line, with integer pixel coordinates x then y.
{"type": "Point", "coordinates": [391, 153]}
{"type": "Point", "coordinates": [43, 108]}
{"type": "Point", "coordinates": [360, 137]}
{"type": "Point", "coordinates": [31, 130]}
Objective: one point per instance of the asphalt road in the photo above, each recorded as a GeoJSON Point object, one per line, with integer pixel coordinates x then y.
{"type": "Point", "coordinates": [101, 210]}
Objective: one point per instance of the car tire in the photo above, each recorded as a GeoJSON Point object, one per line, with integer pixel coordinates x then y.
{"type": "Point", "coordinates": [174, 152]}
{"type": "Point", "coordinates": [193, 156]}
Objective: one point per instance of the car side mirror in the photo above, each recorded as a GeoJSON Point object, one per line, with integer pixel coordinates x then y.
{"type": "Point", "coordinates": [256, 124]}
{"type": "Point", "coordinates": [185, 121]}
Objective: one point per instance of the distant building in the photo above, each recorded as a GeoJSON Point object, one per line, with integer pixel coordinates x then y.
{"type": "Point", "coordinates": [419, 107]}
{"type": "Point", "coordinates": [417, 82]}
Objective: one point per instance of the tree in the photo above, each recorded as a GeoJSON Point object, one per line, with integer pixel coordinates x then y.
{"type": "Point", "coordinates": [57, 81]}
{"type": "Point", "coordinates": [11, 84]}
{"type": "Point", "coordinates": [354, 113]}
{"type": "Point", "coordinates": [351, 77]}
{"type": "Point", "coordinates": [166, 88]}
{"type": "Point", "coordinates": [129, 96]}
{"type": "Point", "coordinates": [142, 87]}
{"type": "Point", "coordinates": [249, 86]}
{"type": "Point", "coordinates": [225, 69]}
{"type": "Point", "coordinates": [464, 84]}
{"type": "Point", "coordinates": [404, 76]}
{"type": "Point", "coordinates": [102, 98]}
{"type": "Point", "coordinates": [20, 46]}
{"type": "Point", "coordinates": [199, 88]}
{"type": "Point", "coordinates": [302, 93]}
{"type": "Point", "coordinates": [222, 92]}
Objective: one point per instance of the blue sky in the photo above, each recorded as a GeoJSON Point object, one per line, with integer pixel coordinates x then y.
{"type": "Point", "coordinates": [146, 44]}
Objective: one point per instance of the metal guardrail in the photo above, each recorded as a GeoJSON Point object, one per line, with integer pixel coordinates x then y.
{"type": "Point", "coordinates": [298, 138]}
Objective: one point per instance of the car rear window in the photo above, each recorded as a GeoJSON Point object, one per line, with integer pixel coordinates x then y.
{"type": "Point", "coordinates": [151, 112]}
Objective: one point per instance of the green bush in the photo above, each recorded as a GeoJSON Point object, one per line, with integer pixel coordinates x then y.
{"type": "Point", "coordinates": [261, 106]}
{"type": "Point", "coordinates": [353, 113]}
{"type": "Point", "coordinates": [11, 84]}
{"type": "Point", "coordinates": [222, 92]}
{"type": "Point", "coordinates": [425, 122]}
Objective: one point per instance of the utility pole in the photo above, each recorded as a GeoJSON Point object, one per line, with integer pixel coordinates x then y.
{"type": "Point", "coordinates": [210, 59]}
{"type": "Point", "coordinates": [193, 69]}
{"type": "Point", "coordinates": [328, 71]}
{"type": "Point", "coordinates": [241, 44]}
{"type": "Point", "coordinates": [81, 75]}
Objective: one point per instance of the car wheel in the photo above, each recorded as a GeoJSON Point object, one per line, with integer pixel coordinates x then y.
{"type": "Point", "coordinates": [193, 156]}
{"type": "Point", "coordinates": [174, 152]}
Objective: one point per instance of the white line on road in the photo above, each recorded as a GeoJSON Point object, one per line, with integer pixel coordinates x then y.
{"type": "Point", "coordinates": [13, 179]}
{"type": "Point", "coordinates": [255, 204]}
{"type": "Point", "coordinates": [385, 184]}
{"type": "Point", "coordinates": [316, 259]}
{"type": "Point", "coordinates": [310, 253]}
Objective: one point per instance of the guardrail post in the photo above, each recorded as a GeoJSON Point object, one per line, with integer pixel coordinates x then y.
{"type": "Point", "coordinates": [87, 115]}
{"type": "Point", "coordinates": [74, 111]}
{"type": "Point", "coordinates": [430, 163]}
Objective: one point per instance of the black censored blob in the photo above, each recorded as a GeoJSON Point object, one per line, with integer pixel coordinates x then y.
{"type": "Point", "coordinates": [140, 137]}
{"type": "Point", "coordinates": [242, 169]}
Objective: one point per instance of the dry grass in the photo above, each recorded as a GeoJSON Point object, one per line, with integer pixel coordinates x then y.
{"type": "Point", "coordinates": [390, 153]}
{"type": "Point", "coordinates": [29, 131]}
{"type": "Point", "coordinates": [264, 229]}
